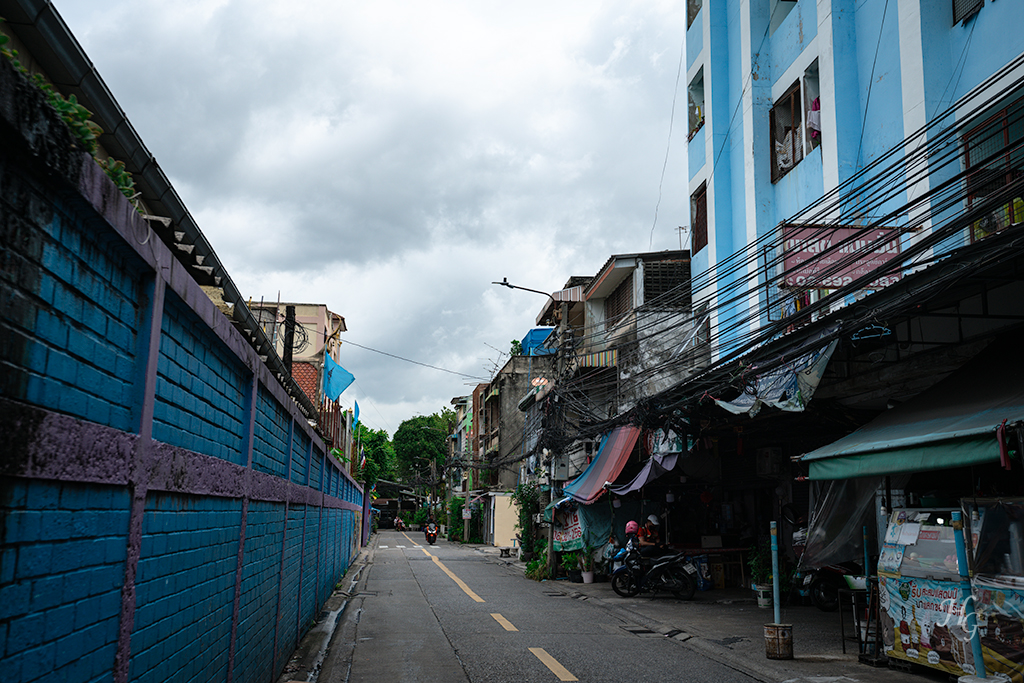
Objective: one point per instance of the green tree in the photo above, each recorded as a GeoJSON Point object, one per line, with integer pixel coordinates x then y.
{"type": "Point", "coordinates": [420, 441]}
{"type": "Point", "coordinates": [448, 418]}
{"type": "Point", "coordinates": [517, 348]}
{"type": "Point", "coordinates": [380, 454]}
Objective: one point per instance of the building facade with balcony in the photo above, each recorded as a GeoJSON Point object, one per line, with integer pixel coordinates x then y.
{"type": "Point", "coordinates": [792, 103]}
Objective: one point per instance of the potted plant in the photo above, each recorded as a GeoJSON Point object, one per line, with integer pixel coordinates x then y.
{"type": "Point", "coordinates": [760, 563]}
{"type": "Point", "coordinates": [571, 566]}
{"type": "Point", "coordinates": [587, 565]}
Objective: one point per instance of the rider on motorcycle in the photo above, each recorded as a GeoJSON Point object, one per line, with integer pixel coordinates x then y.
{"type": "Point", "coordinates": [648, 538]}
{"type": "Point", "coordinates": [631, 530]}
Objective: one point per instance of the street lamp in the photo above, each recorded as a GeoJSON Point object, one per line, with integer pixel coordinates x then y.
{"type": "Point", "coordinates": [505, 283]}
{"type": "Point", "coordinates": [544, 500]}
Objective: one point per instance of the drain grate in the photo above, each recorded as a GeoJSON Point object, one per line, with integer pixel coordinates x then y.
{"type": "Point", "coordinates": [641, 632]}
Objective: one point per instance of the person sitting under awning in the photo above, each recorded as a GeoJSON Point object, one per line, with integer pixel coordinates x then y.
{"type": "Point", "coordinates": [648, 537]}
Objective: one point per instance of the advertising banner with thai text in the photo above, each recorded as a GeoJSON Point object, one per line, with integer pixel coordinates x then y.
{"type": "Point", "coordinates": [820, 257]}
{"type": "Point", "coordinates": [568, 533]}
{"type": "Point", "coordinates": [924, 621]}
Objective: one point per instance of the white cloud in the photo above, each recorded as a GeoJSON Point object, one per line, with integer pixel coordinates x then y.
{"type": "Point", "coordinates": [392, 159]}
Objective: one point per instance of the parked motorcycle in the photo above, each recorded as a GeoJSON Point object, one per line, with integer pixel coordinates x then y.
{"type": "Point", "coordinates": [671, 573]}
{"type": "Point", "coordinates": [823, 583]}
{"type": "Point", "coordinates": [431, 533]}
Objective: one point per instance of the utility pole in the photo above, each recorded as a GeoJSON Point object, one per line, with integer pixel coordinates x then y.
{"type": "Point", "coordinates": [289, 337]}
{"type": "Point", "coordinates": [563, 317]}
{"type": "Point", "coordinates": [546, 497]}
{"type": "Point", "coordinates": [433, 485]}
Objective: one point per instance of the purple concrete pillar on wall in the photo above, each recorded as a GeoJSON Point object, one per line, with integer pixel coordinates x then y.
{"type": "Point", "coordinates": [253, 392]}
{"type": "Point", "coordinates": [149, 348]}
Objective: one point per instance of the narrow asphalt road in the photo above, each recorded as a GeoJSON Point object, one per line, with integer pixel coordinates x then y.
{"type": "Point", "coordinates": [448, 613]}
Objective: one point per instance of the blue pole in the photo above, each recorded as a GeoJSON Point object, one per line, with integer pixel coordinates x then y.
{"type": "Point", "coordinates": [867, 556]}
{"type": "Point", "coordinates": [775, 573]}
{"type": "Point", "coordinates": [965, 588]}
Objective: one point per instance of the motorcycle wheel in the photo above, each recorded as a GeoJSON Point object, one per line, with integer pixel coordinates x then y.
{"type": "Point", "coordinates": [625, 585]}
{"type": "Point", "coordinates": [684, 585]}
{"type": "Point", "coordinates": [824, 596]}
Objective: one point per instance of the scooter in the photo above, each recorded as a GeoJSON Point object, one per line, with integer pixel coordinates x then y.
{"type": "Point", "coordinates": [823, 583]}
{"type": "Point", "coordinates": [431, 533]}
{"type": "Point", "coordinates": [671, 573]}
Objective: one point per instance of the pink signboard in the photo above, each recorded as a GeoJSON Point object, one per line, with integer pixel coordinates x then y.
{"type": "Point", "coordinates": [813, 257]}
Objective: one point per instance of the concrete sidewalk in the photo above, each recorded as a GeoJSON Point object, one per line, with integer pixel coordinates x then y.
{"type": "Point", "coordinates": [727, 626]}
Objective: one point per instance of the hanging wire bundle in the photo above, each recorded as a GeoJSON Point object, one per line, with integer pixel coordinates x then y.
{"type": "Point", "coordinates": [920, 198]}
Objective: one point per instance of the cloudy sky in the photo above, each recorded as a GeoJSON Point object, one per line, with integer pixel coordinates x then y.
{"type": "Point", "coordinates": [392, 159]}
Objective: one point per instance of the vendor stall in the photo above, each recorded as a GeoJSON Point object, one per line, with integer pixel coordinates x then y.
{"type": "Point", "coordinates": [923, 607]}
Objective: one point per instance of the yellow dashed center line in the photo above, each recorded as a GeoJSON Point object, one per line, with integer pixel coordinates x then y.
{"type": "Point", "coordinates": [552, 663]}
{"type": "Point", "coordinates": [539, 652]}
{"type": "Point", "coordinates": [459, 582]}
{"type": "Point", "coordinates": [505, 623]}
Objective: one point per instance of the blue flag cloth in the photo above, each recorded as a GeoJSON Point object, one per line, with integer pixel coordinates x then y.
{"type": "Point", "coordinates": [356, 421]}
{"type": "Point", "coordinates": [336, 379]}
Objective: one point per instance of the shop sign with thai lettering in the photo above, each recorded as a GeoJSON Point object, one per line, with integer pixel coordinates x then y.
{"type": "Point", "coordinates": [821, 257]}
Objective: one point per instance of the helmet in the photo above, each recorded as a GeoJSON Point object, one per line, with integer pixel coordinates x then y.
{"type": "Point", "coordinates": [632, 527]}
{"type": "Point", "coordinates": [653, 519]}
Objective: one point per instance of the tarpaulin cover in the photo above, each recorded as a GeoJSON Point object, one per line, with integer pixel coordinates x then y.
{"type": "Point", "coordinates": [597, 524]}
{"type": "Point", "coordinates": [952, 424]}
{"type": "Point", "coordinates": [789, 387]}
{"type": "Point", "coordinates": [656, 466]}
{"type": "Point", "coordinates": [554, 505]}
{"type": "Point", "coordinates": [836, 531]}
{"type": "Point", "coordinates": [606, 467]}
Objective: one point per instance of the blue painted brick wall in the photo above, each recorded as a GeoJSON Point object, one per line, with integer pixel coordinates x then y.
{"type": "Point", "coordinates": [68, 332]}
{"type": "Point", "coordinates": [261, 572]}
{"type": "Point", "coordinates": [309, 566]}
{"type": "Point", "coordinates": [286, 625]}
{"type": "Point", "coordinates": [270, 444]}
{"type": "Point", "coordinates": [72, 295]}
{"type": "Point", "coordinates": [300, 446]}
{"type": "Point", "coordinates": [61, 571]}
{"type": "Point", "coordinates": [327, 554]}
{"type": "Point", "coordinates": [315, 470]}
{"type": "Point", "coordinates": [185, 588]}
{"type": "Point", "coordinates": [201, 388]}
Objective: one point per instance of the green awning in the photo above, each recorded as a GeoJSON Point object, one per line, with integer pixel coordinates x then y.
{"type": "Point", "coordinates": [952, 424]}
{"type": "Point", "coordinates": [936, 456]}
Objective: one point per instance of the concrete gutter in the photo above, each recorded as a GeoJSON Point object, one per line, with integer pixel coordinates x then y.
{"type": "Point", "coordinates": [305, 664]}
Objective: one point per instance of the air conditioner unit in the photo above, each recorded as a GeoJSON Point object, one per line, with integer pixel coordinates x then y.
{"type": "Point", "coordinates": [560, 466]}
{"type": "Point", "coordinates": [574, 459]}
